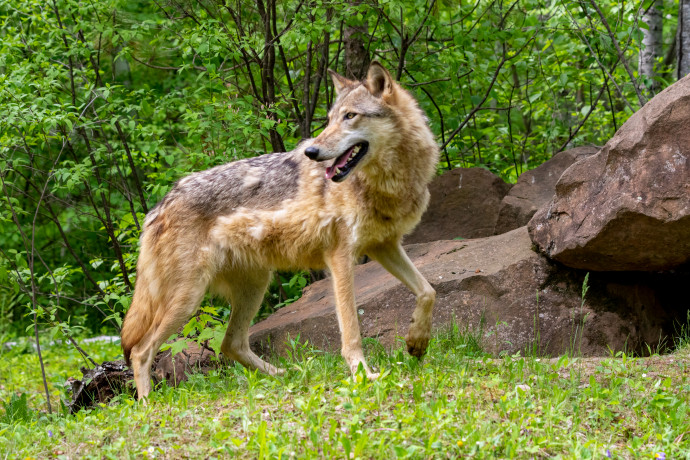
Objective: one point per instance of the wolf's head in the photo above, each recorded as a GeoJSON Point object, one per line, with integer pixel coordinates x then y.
{"type": "Point", "coordinates": [362, 121]}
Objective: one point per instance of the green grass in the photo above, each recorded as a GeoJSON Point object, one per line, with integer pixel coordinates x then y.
{"type": "Point", "coordinates": [457, 402]}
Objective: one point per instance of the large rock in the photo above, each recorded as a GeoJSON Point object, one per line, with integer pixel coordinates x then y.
{"type": "Point", "coordinates": [627, 207]}
{"type": "Point", "coordinates": [520, 299]}
{"type": "Point", "coordinates": [535, 188]}
{"type": "Point", "coordinates": [464, 203]}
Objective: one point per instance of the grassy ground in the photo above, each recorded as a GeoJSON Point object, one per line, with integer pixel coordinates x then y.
{"type": "Point", "coordinates": [457, 402]}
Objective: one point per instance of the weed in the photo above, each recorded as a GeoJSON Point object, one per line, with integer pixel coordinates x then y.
{"type": "Point", "coordinates": [534, 349]}
{"type": "Point", "coordinates": [465, 341]}
{"type": "Point", "coordinates": [579, 323]}
{"type": "Point", "coordinates": [682, 336]}
{"type": "Point", "coordinates": [16, 410]}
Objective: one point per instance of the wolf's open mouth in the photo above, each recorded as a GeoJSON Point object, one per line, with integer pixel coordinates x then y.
{"type": "Point", "coordinates": [343, 165]}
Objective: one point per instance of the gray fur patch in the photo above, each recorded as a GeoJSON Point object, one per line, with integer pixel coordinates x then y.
{"type": "Point", "coordinates": [261, 182]}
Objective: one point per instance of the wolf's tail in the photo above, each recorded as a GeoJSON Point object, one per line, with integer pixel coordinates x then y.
{"type": "Point", "coordinates": [137, 321]}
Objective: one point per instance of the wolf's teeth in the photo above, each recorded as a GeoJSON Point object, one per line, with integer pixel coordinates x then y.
{"type": "Point", "coordinates": [356, 149]}
{"type": "Point", "coordinates": [337, 170]}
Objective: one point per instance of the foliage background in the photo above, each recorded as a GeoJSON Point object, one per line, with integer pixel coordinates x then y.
{"type": "Point", "coordinates": [105, 104]}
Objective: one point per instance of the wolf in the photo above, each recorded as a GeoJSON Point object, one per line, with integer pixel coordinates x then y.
{"type": "Point", "coordinates": [354, 190]}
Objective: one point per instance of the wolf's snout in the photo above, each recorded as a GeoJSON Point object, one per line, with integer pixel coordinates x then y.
{"type": "Point", "coordinates": [311, 152]}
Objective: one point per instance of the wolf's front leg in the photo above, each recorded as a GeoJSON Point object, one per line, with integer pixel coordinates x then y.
{"type": "Point", "coordinates": [393, 258]}
{"type": "Point", "coordinates": [341, 265]}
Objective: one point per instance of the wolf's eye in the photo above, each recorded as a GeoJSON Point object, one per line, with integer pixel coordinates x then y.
{"type": "Point", "coordinates": [350, 115]}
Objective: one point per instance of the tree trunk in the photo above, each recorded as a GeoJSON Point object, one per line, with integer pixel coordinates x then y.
{"type": "Point", "coordinates": [356, 53]}
{"type": "Point", "coordinates": [651, 48]}
{"type": "Point", "coordinates": [683, 38]}
{"type": "Point", "coordinates": [268, 14]}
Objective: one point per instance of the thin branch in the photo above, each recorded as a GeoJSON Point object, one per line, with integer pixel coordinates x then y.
{"type": "Point", "coordinates": [406, 43]}
{"type": "Point", "coordinates": [422, 83]}
{"type": "Point", "coordinates": [160, 67]}
{"type": "Point", "coordinates": [133, 168]}
{"type": "Point", "coordinates": [440, 116]}
{"type": "Point", "coordinates": [584, 120]}
{"type": "Point", "coordinates": [621, 55]}
{"type": "Point", "coordinates": [34, 303]}
{"type": "Point", "coordinates": [583, 37]}
{"type": "Point", "coordinates": [504, 59]}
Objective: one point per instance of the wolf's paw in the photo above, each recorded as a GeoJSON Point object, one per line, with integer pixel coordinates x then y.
{"type": "Point", "coordinates": [416, 345]}
{"type": "Point", "coordinates": [273, 371]}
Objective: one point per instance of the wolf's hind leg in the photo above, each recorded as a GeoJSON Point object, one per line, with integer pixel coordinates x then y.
{"type": "Point", "coordinates": [167, 320]}
{"type": "Point", "coordinates": [393, 258]}
{"type": "Point", "coordinates": [245, 291]}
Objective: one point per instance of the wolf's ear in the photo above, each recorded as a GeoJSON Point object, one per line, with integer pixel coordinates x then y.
{"type": "Point", "coordinates": [379, 81]}
{"type": "Point", "coordinates": [339, 82]}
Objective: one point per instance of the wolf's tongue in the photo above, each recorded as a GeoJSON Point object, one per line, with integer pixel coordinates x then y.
{"type": "Point", "coordinates": [339, 163]}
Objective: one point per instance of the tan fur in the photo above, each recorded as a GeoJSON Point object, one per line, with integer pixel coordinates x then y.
{"type": "Point", "coordinates": [225, 229]}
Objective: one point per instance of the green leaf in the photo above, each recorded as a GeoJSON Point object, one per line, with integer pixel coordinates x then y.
{"type": "Point", "coordinates": [178, 346]}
